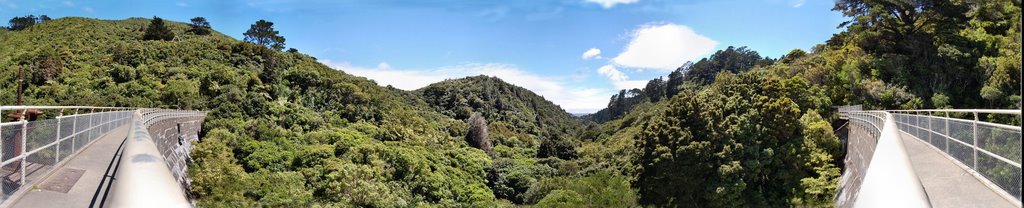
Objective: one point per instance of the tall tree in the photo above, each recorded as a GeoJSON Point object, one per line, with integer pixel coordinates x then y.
{"type": "Point", "coordinates": [731, 59]}
{"type": "Point", "coordinates": [917, 44]}
{"type": "Point", "coordinates": [477, 134]}
{"type": "Point", "coordinates": [20, 23]}
{"type": "Point", "coordinates": [655, 89]}
{"type": "Point", "coordinates": [675, 79]}
{"type": "Point", "coordinates": [158, 31]}
{"type": "Point", "coordinates": [200, 26]}
{"type": "Point", "coordinates": [262, 33]}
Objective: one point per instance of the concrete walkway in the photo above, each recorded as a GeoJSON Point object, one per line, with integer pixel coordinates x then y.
{"type": "Point", "coordinates": [84, 178]}
{"type": "Point", "coordinates": [947, 184]}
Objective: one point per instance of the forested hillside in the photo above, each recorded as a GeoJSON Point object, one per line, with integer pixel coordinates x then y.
{"type": "Point", "coordinates": [283, 129]}
{"type": "Point", "coordinates": [736, 129]}
{"type": "Point", "coordinates": [516, 117]}
{"type": "Point", "coordinates": [739, 130]}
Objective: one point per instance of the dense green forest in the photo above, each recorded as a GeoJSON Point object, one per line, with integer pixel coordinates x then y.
{"type": "Point", "coordinates": [735, 129]}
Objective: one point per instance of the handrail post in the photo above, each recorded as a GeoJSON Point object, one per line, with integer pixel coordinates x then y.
{"type": "Point", "coordinates": [947, 132]}
{"type": "Point", "coordinates": [92, 123]}
{"type": "Point", "coordinates": [916, 126]}
{"type": "Point", "coordinates": [56, 156]}
{"type": "Point", "coordinates": [922, 129]}
{"type": "Point", "coordinates": [24, 143]}
{"type": "Point", "coordinates": [1, 140]}
{"type": "Point", "coordinates": [74, 130]}
{"type": "Point", "coordinates": [975, 146]}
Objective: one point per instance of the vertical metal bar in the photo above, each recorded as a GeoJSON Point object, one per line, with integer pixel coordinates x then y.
{"type": "Point", "coordinates": [933, 129]}
{"type": "Point", "coordinates": [975, 146]}
{"type": "Point", "coordinates": [947, 132]}
{"type": "Point", "coordinates": [56, 157]}
{"type": "Point", "coordinates": [92, 125]}
{"type": "Point", "coordinates": [921, 129]}
{"type": "Point", "coordinates": [74, 130]}
{"type": "Point", "coordinates": [916, 126]}
{"type": "Point", "coordinates": [948, 136]}
{"type": "Point", "coordinates": [1, 137]}
{"type": "Point", "coordinates": [24, 143]}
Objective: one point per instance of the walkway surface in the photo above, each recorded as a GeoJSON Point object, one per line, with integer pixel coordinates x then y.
{"type": "Point", "coordinates": [947, 184]}
{"type": "Point", "coordinates": [84, 180]}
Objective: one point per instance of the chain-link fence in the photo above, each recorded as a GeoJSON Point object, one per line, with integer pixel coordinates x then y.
{"type": "Point", "coordinates": [991, 150]}
{"type": "Point", "coordinates": [36, 138]}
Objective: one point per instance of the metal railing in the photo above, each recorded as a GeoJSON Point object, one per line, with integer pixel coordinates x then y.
{"type": "Point", "coordinates": [33, 144]}
{"type": "Point", "coordinates": [157, 147]}
{"type": "Point", "coordinates": [882, 173]}
{"type": "Point", "coordinates": [989, 151]}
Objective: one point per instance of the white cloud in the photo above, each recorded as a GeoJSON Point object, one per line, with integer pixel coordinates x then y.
{"type": "Point", "coordinates": [572, 99]}
{"type": "Point", "coordinates": [383, 65]}
{"type": "Point", "coordinates": [630, 84]}
{"type": "Point", "coordinates": [620, 80]}
{"type": "Point", "coordinates": [612, 73]}
{"type": "Point", "coordinates": [182, 4]}
{"type": "Point", "coordinates": [798, 3]}
{"type": "Point", "coordinates": [663, 47]}
{"type": "Point", "coordinates": [591, 54]}
{"type": "Point", "coordinates": [88, 9]}
{"type": "Point", "coordinates": [608, 4]}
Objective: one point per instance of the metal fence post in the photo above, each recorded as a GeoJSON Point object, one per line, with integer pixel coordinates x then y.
{"type": "Point", "coordinates": [24, 143]}
{"type": "Point", "coordinates": [1, 138]}
{"type": "Point", "coordinates": [975, 146]}
{"type": "Point", "coordinates": [74, 130]}
{"type": "Point", "coordinates": [922, 129]}
{"type": "Point", "coordinates": [56, 156]}
{"type": "Point", "coordinates": [92, 125]}
{"type": "Point", "coordinates": [931, 116]}
{"type": "Point", "coordinates": [947, 132]}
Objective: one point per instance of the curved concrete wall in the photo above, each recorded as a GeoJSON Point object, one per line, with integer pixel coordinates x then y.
{"type": "Point", "coordinates": [879, 173]}
{"type": "Point", "coordinates": [152, 172]}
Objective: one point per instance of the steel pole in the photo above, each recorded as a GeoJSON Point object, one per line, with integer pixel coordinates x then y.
{"type": "Point", "coordinates": [975, 146]}
{"type": "Point", "coordinates": [56, 156]}
{"type": "Point", "coordinates": [24, 140]}
{"type": "Point", "coordinates": [74, 130]}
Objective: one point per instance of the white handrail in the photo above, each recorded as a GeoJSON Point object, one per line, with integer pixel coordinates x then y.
{"type": "Point", "coordinates": [37, 144]}
{"type": "Point", "coordinates": [935, 130]}
{"type": "Point", "coordinates": [937, 134]}
{"type": "Point", "coordinates": [145, 178]}
{"type": "Point", "coordinates": [890, 180]}
{"type": "Point", "coordinates": [19, 107]}
{"type": "Point", "coordinates": [993, 111]}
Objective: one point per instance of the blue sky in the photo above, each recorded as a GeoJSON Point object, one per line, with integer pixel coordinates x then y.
{"type": "Point", "coordinates": [550, 47]}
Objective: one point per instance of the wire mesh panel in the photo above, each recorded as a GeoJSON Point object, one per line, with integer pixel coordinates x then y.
{"type": "Point", "coordinates": [29, 149]}
{"type": "Point", "coordinates": [992, 150]}
{"type": "Point", "coordinates": [65, 148]}
{"type": "Point", "coordinates": [41, 133]}
{"type": "Point", "coordinates": [10, 136]}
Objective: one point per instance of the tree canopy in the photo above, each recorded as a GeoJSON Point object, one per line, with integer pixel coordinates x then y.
{"type": "Point", "coordinates": [158, 31]}
{"type": "Point", "coordinates": [262, 33]}
{"type": "Point", "coordinates": [199, 26]}
{"type": "Point", "coordinates": [20, 23]}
